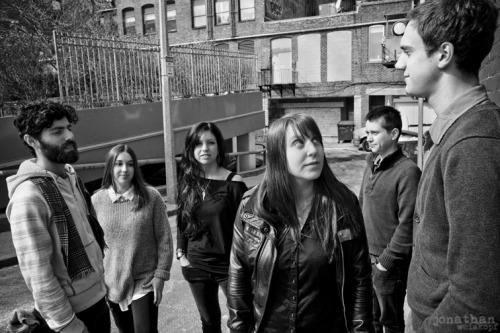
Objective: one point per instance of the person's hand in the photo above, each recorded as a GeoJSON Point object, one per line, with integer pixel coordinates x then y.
{"type": "Point", "coordinates": [380, 267]}
{"type": "Point", "coordinates": [157, 285]}
{"type": "Point", "coordinates": [85, 330]}
{"type": "Point", "coordinates": [184, 261]}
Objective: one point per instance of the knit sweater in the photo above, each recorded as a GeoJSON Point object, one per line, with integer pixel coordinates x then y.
{"type": "Point", "coordinates": [140, 243]}
{"type": "Point", "coordinates": [454, 275]}
{"type": "Point", "coordinates": [387, 198]}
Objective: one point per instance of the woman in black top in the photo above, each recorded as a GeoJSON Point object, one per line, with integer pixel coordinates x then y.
{"type": "Point", "coordinates": [299, 259]}
{"type": "Point", "coordinates": [208, 198]}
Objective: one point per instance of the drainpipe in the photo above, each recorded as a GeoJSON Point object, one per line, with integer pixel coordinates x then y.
{"type": "Point", "coordinates": [233, 18]}
{"type": "Point", "coordinates": [210, 19]}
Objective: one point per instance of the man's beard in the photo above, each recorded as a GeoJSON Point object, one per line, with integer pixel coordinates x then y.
{"type": "Point", "coordinates": [59, 154]}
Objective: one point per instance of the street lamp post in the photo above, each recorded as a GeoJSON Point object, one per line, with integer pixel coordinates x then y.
{"type": "Point", "coordinates": [166, 65]}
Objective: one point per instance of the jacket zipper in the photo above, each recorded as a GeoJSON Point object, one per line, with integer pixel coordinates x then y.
{"type": "Point", "coordinates": [343, 279]}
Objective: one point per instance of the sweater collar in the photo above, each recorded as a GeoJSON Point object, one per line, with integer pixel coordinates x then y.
{"type": "Point", "coordinates": [387, 161]}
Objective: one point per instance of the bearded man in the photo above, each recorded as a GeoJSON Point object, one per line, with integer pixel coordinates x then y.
{"type": "Point", "coordinates": [58, 241]}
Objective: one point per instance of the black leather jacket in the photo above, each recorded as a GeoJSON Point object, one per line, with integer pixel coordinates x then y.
{"type": "Point", "coordinates": [253, 256]}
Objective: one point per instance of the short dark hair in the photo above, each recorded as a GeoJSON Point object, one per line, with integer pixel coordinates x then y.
{"type": "Point", "coordinates": [391, 116]}
{"type": "Point", "coordinates": [467, 24]}
{"type": "Point", "coordinates": [33, 118]}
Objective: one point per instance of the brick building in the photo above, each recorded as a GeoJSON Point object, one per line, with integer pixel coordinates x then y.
{"type": "Point", "coordinates": [318, 57]}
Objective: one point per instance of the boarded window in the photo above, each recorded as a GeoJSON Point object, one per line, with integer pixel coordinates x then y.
{"type": "Point", "coordinates": [309, 58]}
{"type": "Point", "coordinates": [339, 56]}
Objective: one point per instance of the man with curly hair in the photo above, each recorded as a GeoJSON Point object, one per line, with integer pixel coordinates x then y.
{"type": "Point", "coordinates": [58, 242]}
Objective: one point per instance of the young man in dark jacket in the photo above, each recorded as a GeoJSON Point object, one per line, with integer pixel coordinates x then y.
{"type": "Point", "coordinates": [387, 197]}
{"type": "Point", "coordinates": [454, 277]}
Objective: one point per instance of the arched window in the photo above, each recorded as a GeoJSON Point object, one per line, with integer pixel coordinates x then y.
{"type": "Point", "coordinates": [281, 59]}
{"type": "Point", "coordinates": [375, 37]}
{"type": "Point", "coordinates": [222, 46]}
{"type": "Point", "coordinates": [148, 19]}
{"type": "Point", "coordinates": [128, 21]}
{"type": "Point", "coordinates": [246, 46]}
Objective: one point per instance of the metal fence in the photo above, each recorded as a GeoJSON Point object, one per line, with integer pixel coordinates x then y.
{"type": "Point", "coordinates": [101, 72]}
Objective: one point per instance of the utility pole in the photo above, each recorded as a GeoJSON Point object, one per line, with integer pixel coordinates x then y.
{"type": "Point", "coordinates": [166, 64]}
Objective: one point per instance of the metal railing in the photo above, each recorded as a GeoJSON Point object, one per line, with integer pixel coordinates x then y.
{"type": "Point", "coordinates": [96, 72]}
{"type": "Point", "coordinates": [277, 76]}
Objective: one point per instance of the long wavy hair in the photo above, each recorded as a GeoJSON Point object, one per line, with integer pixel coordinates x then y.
{"type": "Point", "coordinates": [334, 206]}
{"type": "Point", "coordinates": [189, 195]}
{"type": "Point", "coordinates": [140, 186]}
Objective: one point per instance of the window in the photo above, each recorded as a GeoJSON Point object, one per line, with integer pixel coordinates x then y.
{"type": "Point", "coordinates": [171, 20]}
{"type": "Point", "coordinates": [339, 56]}
{"type": "Point", "coordinates": [247, 10]}
{"type": "Point", "coordinates": [148, 19]}
{"type": "Point", "coordinates": [375, 36]}
{"type": "Point", "coordinates": [199, 13]}
{"type": "Point", "coordinates": [281, 56]}
{"type": "Point", "coordinates": [221, 12]}
{"type": "Point", "coordinates": [246, 46]}
{"type": "Point", "coordinates": [309, 58]}
{"type": "Point", "coordinates": [128, 21]}
{"type": "Point", "coordinates": [222, 46]}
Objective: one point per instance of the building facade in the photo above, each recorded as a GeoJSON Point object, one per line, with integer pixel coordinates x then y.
{"type": "Point", "coordinates": [315, 57]}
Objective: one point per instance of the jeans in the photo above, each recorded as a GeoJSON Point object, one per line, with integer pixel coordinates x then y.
{"type": "Point", "coordinates": [388, 298]}
{"type": "Point", "coordinates": [141, 316]}
{"type": "Point", "coordinates": [205, 289]}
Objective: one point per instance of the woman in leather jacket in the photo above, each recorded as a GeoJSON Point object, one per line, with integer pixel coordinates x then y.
{"type": "Point", "coordinates": [299, 259]}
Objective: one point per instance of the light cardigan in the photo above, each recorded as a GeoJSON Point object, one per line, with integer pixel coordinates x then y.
{"type": "Point", "coordinates": [140, 243]}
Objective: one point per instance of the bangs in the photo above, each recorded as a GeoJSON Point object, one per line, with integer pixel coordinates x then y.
{"type": "Point", "coordinates": [305, 127]}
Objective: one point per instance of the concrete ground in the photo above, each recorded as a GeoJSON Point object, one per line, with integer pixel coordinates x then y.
{"type": "Point", "coordinates": [178, 311]}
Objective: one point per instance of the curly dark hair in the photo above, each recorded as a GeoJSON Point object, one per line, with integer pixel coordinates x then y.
{"type": "Point", "coordinates": [189, 195]}
{"type": "Point", "coordinates": [32, 119]}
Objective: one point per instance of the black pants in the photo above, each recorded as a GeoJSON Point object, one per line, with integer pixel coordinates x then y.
{"type": "Point", "coordinates": [205, 289]}
{"type": "Point", "coordinates": [388, 299]}
{"type": "Point", "coordinates": [141, 316]}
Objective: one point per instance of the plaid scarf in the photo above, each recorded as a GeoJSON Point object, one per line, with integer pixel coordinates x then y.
{"type": "Point", "coordinates": [74, 255]}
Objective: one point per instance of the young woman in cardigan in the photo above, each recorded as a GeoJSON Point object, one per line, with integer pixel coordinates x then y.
{"type": "Point", "coordinates": [139, 239]}
{"type": "Point", "coordinates": [208, 198]}
{"type": "Point", "coordinates": [299, 259]}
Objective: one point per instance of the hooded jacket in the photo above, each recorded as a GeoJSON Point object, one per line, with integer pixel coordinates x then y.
{"type": "Point", "coordinates": [38, 245]}
{"type": "Point", "coordinates": [252, 261]}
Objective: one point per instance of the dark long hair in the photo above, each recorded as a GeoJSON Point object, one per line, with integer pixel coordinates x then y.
{"type": "Point", "coordinates": [275, 198]}
{"type": "Point", "coordinates": [138, 181]}
{"type": "Point", "coordinates": [189, 195]}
